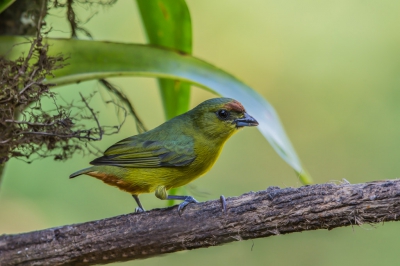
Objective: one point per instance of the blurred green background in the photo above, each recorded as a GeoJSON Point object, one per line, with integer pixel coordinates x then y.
{"type": "Point", "coordinates": [331, 70]}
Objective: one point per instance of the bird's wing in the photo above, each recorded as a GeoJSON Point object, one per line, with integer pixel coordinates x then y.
{"type": "Point", "coordinates": [134, 152]}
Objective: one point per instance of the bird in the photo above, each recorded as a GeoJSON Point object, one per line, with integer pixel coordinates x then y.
{"type": "Point", "coordinates": [173, 154]}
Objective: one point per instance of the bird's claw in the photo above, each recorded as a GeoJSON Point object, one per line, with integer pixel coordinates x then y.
{"type": "Point", "coordinates": [139, 210]}
{"type": "Point", "coordinates": [223, 202]}
{"type": "Point", "coordinates": [188, 199]}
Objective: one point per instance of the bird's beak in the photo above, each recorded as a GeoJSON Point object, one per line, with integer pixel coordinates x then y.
{"type": "Point", "coordinates": [246, 121]}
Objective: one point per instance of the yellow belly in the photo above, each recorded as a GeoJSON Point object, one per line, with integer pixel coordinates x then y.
{"type": "Point", "coordinates": [146, 180]}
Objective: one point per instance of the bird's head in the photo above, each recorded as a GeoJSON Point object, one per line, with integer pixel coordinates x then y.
{"type": "Point", "coordinates": [221, 117]}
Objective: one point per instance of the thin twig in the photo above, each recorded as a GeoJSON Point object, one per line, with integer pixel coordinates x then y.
{"type": "Point", "coordinates": [28, 86]}
{"type": "Point", "coordinates": [122, 97]}
{"type": "Point", "coordinates": [29, 123]}
{"type": "Point", "coordinates": [94, 117]}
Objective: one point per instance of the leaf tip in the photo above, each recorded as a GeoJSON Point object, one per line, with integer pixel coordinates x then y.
{"type": "Point", "coordinates": [305, 178]}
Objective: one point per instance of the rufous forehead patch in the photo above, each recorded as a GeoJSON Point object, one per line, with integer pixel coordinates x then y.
{"type": "Point", "coordinates": [235, 106]}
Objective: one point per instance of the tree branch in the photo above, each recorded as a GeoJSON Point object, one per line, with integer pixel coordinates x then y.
{"type": "Point", "coordinates": [253, 215]}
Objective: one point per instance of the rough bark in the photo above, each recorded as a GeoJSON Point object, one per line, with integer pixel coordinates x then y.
{"type": "Point", "coordinates": [252, 215]}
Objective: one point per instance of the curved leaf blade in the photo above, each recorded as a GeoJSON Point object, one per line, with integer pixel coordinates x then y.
{"type": "Point", "coordinates": [168, 24]}
{"type": "Point", "coordinates": [95, 60]}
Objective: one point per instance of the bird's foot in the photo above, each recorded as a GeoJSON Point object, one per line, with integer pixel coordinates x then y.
{"type": "Point", "coordinates": [186, 201]}
{"type": "Point", "coordinates": [139, 210]}
{"type": "Point", "coordinates": [223, 202]}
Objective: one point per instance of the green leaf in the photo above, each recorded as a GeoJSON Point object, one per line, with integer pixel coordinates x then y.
{"type": "Point", "coordinates": [4, 4]}
{"type": "Point", "coordinates": [168, 24]}
{"type": "Point", "coordinates": [95, 60]}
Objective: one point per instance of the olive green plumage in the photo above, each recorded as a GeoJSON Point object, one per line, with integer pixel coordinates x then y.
{"type": "Point", "coordinates": [172, 154]}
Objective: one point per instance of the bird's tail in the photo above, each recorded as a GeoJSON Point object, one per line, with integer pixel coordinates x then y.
{"type": "Point", "coordinates": [81, 172]}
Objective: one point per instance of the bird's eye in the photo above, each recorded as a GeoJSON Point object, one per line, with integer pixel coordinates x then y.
{"type": "Point", "coordinates": [223, 114]}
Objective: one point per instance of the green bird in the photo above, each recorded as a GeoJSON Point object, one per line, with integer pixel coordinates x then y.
{"type": "Point", "coordinates": [172, 154]}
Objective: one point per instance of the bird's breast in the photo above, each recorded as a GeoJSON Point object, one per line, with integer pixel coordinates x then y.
{"type": "Point", "coordinates": [207, 155]}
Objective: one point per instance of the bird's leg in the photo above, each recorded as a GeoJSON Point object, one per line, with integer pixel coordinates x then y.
{"type": "Point", "coordinates": [162, 194]}
{"type": "Point", "coordinates": [186, 201]}
{"type": "Point", "coordinates": [140, 208]}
